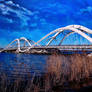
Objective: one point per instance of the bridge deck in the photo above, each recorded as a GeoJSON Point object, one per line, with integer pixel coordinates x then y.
{"type": "Point", "coordinates": [50, 49]}
{"type": "Point", "coordinates": [58, 47]}
{"type": "Point", "coordinates": [67, 47]}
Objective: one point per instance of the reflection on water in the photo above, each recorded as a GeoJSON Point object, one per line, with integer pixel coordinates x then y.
{"type": "Point", "coordinates": [14, 65]}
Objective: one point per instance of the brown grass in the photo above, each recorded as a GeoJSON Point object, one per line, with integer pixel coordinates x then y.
{"type": "Point", "coordinates": [62, 69]}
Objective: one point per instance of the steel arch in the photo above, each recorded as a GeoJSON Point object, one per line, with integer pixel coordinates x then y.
{"type": "Point", "coordinates": [81, 30]}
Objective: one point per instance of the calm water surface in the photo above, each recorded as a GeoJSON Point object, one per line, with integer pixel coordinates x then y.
{"type": "Point", "coordinates": [22, 64]}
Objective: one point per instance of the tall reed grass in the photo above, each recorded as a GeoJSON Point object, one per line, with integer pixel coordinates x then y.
{"type": "Point", "coordinates": [67, 69]}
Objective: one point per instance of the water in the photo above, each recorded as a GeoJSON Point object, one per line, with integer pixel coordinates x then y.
{"type": "Point", "coordinates": [14, 65]}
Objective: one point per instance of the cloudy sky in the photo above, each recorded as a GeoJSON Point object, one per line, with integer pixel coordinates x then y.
{"type": "Point", "coordinates": [33, 19]}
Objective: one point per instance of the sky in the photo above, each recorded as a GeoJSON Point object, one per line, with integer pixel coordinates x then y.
{"type": "Point", "coordinates": [33, 19]}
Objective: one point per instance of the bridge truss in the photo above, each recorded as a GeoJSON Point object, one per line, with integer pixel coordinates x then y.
{"type": "Point", "coordinates": [24, 45]}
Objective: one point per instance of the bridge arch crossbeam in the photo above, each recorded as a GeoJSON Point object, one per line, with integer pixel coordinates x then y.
{"type": "Point", "coordinates": [53, 38]}
{"type": "Point", "coordinates": [18, 46]}
{"type": "Point", "coordinates": [81, 28]}
{"type": "Point", "coordinates": [74, 32]}
{"type": "Point", "coordinates": [36, 43]}
{"type": "Point", "coordinates": [23, 38]}
{"type": "Point", "coordinates": [65, 37]}
{"type": "Point", "coordinates": [27, 49]}
{"type": "Point", "coordinates": [66, 28]}
{"type": "Point", "coordinates": [85, 29]}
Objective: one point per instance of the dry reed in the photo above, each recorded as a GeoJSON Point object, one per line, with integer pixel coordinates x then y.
{"type": "Point", "coordinates": [63, 69]}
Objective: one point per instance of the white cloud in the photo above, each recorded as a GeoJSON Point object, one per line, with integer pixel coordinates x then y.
{"type": "Point", "coordinates": [87, 9]}
{"type": "Point", "coordinates": [15, 14]}
{"type": "Point", "coordinates": [9, 7]}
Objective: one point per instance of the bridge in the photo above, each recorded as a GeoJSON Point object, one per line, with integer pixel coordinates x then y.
{"type": "Point", "coordinates": [24, 45]}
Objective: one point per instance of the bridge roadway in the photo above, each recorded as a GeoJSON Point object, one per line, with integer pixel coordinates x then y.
{"type": "Point", "coordinates": [65, 47]}
{"type": "Point", "coordinates": [52, 48]}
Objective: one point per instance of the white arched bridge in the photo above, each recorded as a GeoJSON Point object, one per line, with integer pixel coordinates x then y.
{"type": "Point", "coordinates": [53, 41]}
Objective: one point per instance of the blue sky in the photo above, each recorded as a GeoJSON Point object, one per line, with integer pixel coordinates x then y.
{"type": "Point", "coordinates": [35, 18]}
